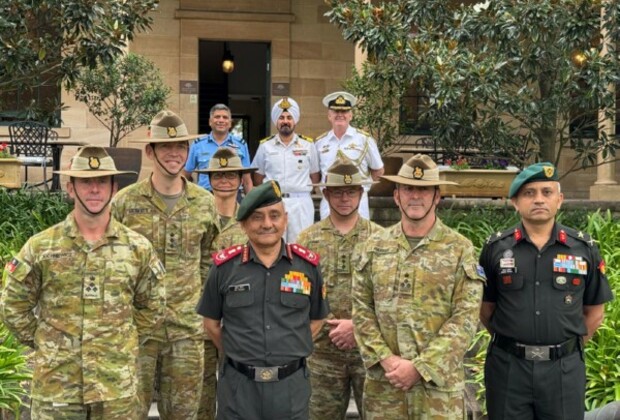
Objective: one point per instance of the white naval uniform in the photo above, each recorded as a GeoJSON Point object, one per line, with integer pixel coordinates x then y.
{"type": "Point", "coordinates": [290, 165]}
{"type": "Point", "coordinates": [358, 146]}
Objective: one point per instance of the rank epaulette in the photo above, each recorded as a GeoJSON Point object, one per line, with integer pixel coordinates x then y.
{"type": "Point", "coordinates": [227, 254]}
{"type": "Point", "coordinates": [578, 235]}
{"type": "Point", "coordinates": [267, 138]}
{"type": "Point", "coordinates": [321, 136]}
{"type": "Point", "coordinates": [367, 134]}
{"type": "Point", "coordinates": [310, 256]}
{"type": "Point", "coordinates": [310, 139]}
{"type": "Point", "coordinates": [518, 235]}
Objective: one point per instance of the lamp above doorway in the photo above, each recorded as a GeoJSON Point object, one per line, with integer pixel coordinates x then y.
{"type": "Point", "coordinates": [228, 60]}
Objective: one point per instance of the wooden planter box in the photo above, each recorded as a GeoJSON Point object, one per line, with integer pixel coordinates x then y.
{"type": "Point", "coordinates": [10, 174]}
{"type": "Point", "coordinates": [486, 183]}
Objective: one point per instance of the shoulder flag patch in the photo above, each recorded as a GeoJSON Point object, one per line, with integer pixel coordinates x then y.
{"type": "Point", "coordinates": [310, 256]}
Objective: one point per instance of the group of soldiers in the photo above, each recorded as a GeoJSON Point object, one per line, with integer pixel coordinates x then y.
{"type": "Point", "coordinates": [166, 283]}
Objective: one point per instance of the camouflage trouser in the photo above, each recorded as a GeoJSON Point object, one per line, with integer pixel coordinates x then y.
{"type": "Point", "coordinates": [332, 375]}
{"type": "Point", "coordinates": [180, 377]}
{"type": "Point", "coordinates": [384, 402]}
{"type": "Point", "coordinates": [121, 409]}
{"type": "Point", "coordinates": [209, 383]}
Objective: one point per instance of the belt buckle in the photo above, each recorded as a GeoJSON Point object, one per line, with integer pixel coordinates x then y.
{"type": "Point", "coordinates": [537, 353]}
{"type": "Point", "coordinates": [266, 373]}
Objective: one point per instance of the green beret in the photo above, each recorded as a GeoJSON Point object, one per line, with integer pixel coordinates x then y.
{"type": "Point", "coordinates": [264, 195]}
{"type": "Point", "coordinates": [542, 171]}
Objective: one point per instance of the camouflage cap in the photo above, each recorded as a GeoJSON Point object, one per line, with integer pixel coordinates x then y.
{"type": "Point", "coordinates": [92, 162]}
{"type": "Point", "coordinates": [264, 195]}
{"type": "Point", "coordinates": [168, 127]}
{"type": "Point", "coordinates": [420, 171]}
{"type": "Point", "coordinates": [343, 173]}
{"type": "Point", "coordinates": [542, 171]}
{"type": "Point", "coordinates": [340, 101]}
{"type": "Point", "coordinates": [225, 160]}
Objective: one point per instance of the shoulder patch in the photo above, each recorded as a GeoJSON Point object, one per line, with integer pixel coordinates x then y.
{"type": "Point", "coordinates": [321, 136]}
{"type": "Point", "coordinates": [306, 138]}
{"type": "Point", "coordinates": [266, 139]}
{"type": "Point", "coordinates": [227, 254]}
{"type": "Point", "coordinates": [310, 256]}
{"type": "Point", "coordinates": [578, 235]}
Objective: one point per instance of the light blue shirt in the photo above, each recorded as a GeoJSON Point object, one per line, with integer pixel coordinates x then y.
{"type": "Point", "coordinates": [202, 149]}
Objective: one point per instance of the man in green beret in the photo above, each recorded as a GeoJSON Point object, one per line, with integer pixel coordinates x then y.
{"type": "Point", "coordinates": [269, 296]}
{"type": "Point", "coordinates": [416, 297]}
{"type": "Point", "coordinates": [544, 298]}
{"type": "Point", "coordinates": [85, 294]}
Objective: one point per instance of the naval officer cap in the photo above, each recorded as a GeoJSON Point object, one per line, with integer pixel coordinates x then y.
{"type": "Point", "coordinates": [340, 101]}
{"type": "Point", "coordinates": [542, 171]}
{"type": "Point", "coordinates": [264, 195]}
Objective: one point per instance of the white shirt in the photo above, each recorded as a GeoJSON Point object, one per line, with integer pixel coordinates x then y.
{"type": "Point", "coordinates": [290, 165]}
{"type": "Point", "coordinates": [355, 144]}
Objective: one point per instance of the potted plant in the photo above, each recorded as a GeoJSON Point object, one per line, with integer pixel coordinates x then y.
{"type": "Point", "coordinates": [488, 177]}
{"type": "Point", "coordinates": [9, 168]}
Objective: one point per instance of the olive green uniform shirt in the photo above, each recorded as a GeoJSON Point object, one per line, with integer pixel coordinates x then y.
{"type": "Point", "coordinates": [182, 239]}
{"type": "Point", "coordinates": [421, 303]}
{"type": "Point", "coordinates": [84, 307]}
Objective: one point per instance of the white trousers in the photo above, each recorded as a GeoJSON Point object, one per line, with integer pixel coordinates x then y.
{"type": "Point", "coordinates": [300, 210]}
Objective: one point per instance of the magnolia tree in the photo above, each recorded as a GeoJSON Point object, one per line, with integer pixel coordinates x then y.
{"type": "Point", "coordinates": [524, 79]}
{"type": "Point", "coordinates": [48, 42]}
{"type": "Point", "coordinates": [122, 95]}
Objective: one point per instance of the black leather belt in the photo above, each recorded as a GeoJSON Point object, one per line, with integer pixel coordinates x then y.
{"type": "Point", "coordinates": [537, 353]}
{"type": "Point", "coordinates": [267, 373]}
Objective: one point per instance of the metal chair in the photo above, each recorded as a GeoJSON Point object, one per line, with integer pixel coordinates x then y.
{"type": "Point", "coordinates": [29, 145]}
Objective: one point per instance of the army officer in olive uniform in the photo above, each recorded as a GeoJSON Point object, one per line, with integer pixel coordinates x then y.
{"type": "Point", "coordinates": [270, 297]}
{"type": "Point", "coordinates": [544, 298]}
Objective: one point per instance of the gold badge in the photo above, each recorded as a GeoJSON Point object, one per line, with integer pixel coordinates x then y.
{"type": "Point", "coordinates": [348, 179]}
{"type": "Point", "coordinates": [223, 162]}
{"type": "Point", "coordinates": [172, 132]}
{"type": "Point", "coordinates": [340, 100]}
{"type": "Point", "coordinates": [285, 104]}
{"type": "Point", "coordinates": [93, 162]}
{"type": "Point", "coordinates": [549, 170]}
{"type": "Point", "coordinates": [276, 189]}
{"type": "Point", "coordinates": [418, 173]}
{"type": "Point", "coordinates": [266, 375]}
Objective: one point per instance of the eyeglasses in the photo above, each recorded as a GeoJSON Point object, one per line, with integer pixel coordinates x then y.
{"type": "Point", "coordinates": [342, 193]}
{"type": "Point", "coordinates": [222, 175]}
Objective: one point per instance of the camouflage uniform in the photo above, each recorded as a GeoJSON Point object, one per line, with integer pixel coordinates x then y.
{"type": "Point", "coordinates": [334, 371]}
{"type": "Point", "coordinates": [183, 240]}
{"type": "Point", "coordinates": [422, 305]}
{"type": "Point", "coordinates": [84, 308]}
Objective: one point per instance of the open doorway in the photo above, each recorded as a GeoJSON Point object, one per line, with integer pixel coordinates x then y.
{"type": "Point", "coordinates": [245, 90]}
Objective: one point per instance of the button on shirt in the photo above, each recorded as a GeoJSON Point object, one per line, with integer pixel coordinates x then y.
{"type": "Point", "coordinates": [539, 294]}
{"type": "Point", "coordinates": [290, 165]}
{"type": "Point", "coordinates": [202, 149]}
{"type": "Point", "coordinates": [356, 145]}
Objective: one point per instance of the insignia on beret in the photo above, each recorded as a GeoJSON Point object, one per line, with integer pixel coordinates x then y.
{"type": "Point", "coordinates": [285, 104]}
{"type": "Point", "coordinates": [276, 189]}
{"type": "Point", "coordinates": [93, 162]}
{"type": "Point", "coordinates": [549, 170]}
{"type": "Point", "coordinates": [348, 179]}
{"type": "Point", "coordinates": [340, 100]}
{"type": "Point", "coordinates": [172, 132]}
{"type": "Point", "coordinates": [223, 162]}
{"type": "Point", "coordinates": [418, 172]}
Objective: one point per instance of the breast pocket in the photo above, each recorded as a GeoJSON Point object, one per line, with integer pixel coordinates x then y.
{"type": "Point", "coordinates": [239, 299]}
{"type": "Point", "coordinates": [510, 282]}
{"type": "Point", "coordinates": [294, 300]}
{"type": "Point", "coordinates": [568, 282]}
